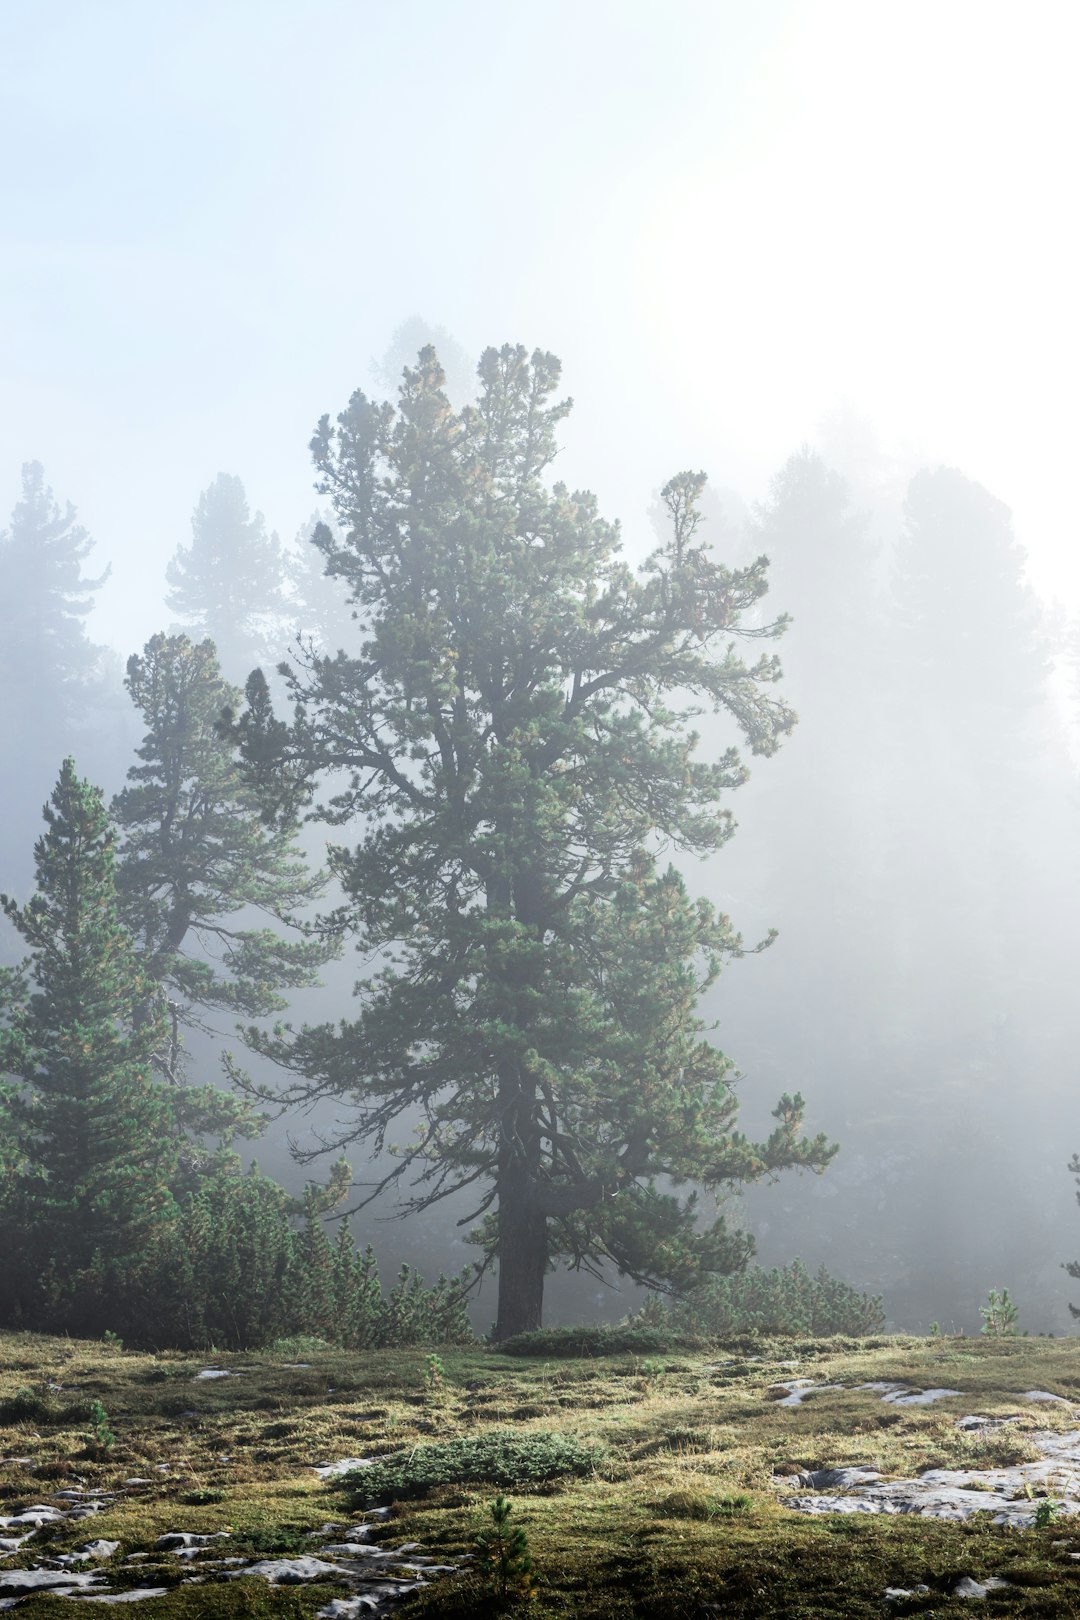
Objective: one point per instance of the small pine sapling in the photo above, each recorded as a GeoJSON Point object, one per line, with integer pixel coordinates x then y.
{"type": "Point", "coordinates": [101, 1436]}
{"type": "Point", "coordinates": [999, 1315]}
{"type": "Point", "coordinates": [503, 1557]}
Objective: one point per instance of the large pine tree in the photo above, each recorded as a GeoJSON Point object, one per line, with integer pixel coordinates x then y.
{"type": "Point", "coordinates": [511, 737]}
{"type": "Point", "coordinates": [92, 1188]}
{"type": "Point", "coordinates": [199, 870]}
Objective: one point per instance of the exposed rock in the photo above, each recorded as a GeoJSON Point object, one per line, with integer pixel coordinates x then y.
{"type": "Point", "coordinates": [90, 1549]}
{"type": "Point", "coordinates": [985, 1425]}
{"type": "Point", "coordinates": [968, 1587]}
{"type": "Point", "coordinates": [839, 1479]}
{"type": "Point", "coordinates": [795, 1391]}
{"type": "Point", "coordinates": [349, 1608]}
{"type": "Point", "coordinates": [370, 1602]}
{"type": "Point", "coordinates": [345, 1466]}
{"type": "Point", "coordinates": [32, 1518]}
{"type": "Point", "coordinates": [953, 1493]}
{"type": "Point", "coordinates": [904, 1395]}
{"type": "Point", "coordinates": [20, 1582]}
{"type": "Point", "coordinates": [185, 1542]}
{"type": "Point", "coordinates": [291, 1571]}
{"type": "Point", "coordinates": [135, 1595]}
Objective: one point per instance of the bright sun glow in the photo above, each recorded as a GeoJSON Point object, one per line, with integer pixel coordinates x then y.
{"type": "Point", "coordinates": [894, 225]}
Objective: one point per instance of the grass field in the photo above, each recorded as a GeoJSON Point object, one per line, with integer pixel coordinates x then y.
{"type": "Point", "coordinates": [679, 1514]}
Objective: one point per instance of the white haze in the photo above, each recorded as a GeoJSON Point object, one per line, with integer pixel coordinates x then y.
{"type": "Point", "coordinates": [728, 220]}
{"type": "Point", "coordinates": [743, 227]}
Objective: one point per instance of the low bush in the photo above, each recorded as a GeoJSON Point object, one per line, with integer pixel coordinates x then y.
{"type": "Point", "coordinates": [696, 1505]}
{"type": "Point", "coordinates": [41, 1407]}
{"type": "Point", "coordinates": [636, 1338]}
{"type": "Point", "coordinates": [503, 1458]}
{"type": "Point", "coordinates": [787, 1300]}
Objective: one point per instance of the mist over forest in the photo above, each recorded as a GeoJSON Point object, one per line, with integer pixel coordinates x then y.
{"type": "Point", "coordinates": [891, 856]}
{"type": "Point", "coordinates": [911, 844]}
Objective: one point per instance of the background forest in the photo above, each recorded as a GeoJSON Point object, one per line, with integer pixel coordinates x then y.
{"type": "Point", "coordinates": [912, 843]}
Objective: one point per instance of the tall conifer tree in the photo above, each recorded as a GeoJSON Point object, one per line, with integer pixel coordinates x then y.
{"type": "Point", "coordinates": [197, 864]}
{"type": "Point", "coordinates": [94, 1187]}
{"type": "Point", "coordinates": [512, 739]}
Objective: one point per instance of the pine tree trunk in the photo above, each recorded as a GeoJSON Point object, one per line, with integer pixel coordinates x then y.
{"type": "Point", "coordinates": [522, 1224]}
{"type": "Point", "coordinates": [522, 1257]}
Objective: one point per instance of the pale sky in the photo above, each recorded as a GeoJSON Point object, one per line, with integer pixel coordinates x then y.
{"type": "Point", "coordinates": [729, 219]}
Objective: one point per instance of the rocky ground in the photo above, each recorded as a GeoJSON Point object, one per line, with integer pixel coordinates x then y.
{"type": "Point", "coordinates": [791, 1478]}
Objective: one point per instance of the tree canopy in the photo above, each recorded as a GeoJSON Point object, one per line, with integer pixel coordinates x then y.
{"type": "Point", "coordinates": [80, 1032]}
{"type": "Point", "coordinates": [512, 742]}
{"type": "Point", "coordinates": [197, 864]}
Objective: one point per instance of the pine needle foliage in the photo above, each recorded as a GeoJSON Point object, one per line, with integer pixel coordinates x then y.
{"type": "Point", "coordinates": [503, 1559]}
{"type": "Point", "coordinates": [787, 1299]}
{"type": "Point", "coordinates": [502, 1457]}
{"type": "Point", "coordinates": [195, 853]}
{"type": "Point", "coordinates": [80, 1035]}
{"type": "Point", "coordinates": [511, 740]}
{"type": "Point", "coordinates": [105, 1229]}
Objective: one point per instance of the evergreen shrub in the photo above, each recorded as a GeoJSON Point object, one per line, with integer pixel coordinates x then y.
{"type": "Point", "coordinates": [636, 1338]}
{"type": "Point", "coordinates": [504, 1458]}
{"type": "Point", "coordinates": [234, 1271]}
{"type": "Point", "coordinates": [786, 1300]}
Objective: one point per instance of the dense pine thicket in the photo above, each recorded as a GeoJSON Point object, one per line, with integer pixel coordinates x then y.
{"type": "Point", "coordinates": [114, 1215]}
{"type": "Point", "coordinates": [785, 1299]}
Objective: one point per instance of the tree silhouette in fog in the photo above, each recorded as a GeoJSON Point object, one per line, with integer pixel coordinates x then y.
{"type": "Point", "coordinates": [229, 583]}
{"type": "Point", "coordinates": [510, 736]}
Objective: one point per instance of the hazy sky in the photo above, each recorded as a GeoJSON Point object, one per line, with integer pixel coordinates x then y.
{"type": "Point", "coordinates": [728, 219]}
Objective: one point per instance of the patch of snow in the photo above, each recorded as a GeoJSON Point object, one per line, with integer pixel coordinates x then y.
{"type": "Point", "coordinates": [1044, 1395]}
{"type": "Point", "coordinates": [214, 1372]}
